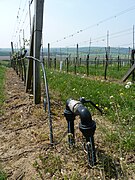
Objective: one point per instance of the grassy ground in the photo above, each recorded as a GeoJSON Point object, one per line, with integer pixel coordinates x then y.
{"type": "Point", "coordinates": [116, 101]}
{"type": "Point", "coordinates": [114, 136]}
{"type": "Point", "coordinates": [2, 97]}
{"type": "Point", "coordinates": [113, 71]}
{"type": "Point", "coordinates": [2, 79]}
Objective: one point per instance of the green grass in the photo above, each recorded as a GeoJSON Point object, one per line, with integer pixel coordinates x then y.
{"type": "Point", "coordinates": [97, 70]}
{"type": "Point", "coordinates": [2, 97]}
{"type": "Point", "coordinates": [2, 79]}
{"type": "Point", "coordinates": [3, 175]}
{"type": "Point", "coordinates": [115, 100]}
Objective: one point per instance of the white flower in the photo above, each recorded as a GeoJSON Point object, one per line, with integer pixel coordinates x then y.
{"type": "Point", "coordinates": [127, 86]}
{"type": "Point", "coordinates": [111, 97]}
{"type": "Point", "coordinates": [129, 83]}
{"type": "Point", "coordinates": [121, 159]}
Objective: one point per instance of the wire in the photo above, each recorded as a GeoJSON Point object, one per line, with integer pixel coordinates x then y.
{"type": "Point", "coordinates": [21, 18]}
{"type": "Point", "coordinates": [96, 24]}
{"type": "Point", "coordinates": [103, 37]}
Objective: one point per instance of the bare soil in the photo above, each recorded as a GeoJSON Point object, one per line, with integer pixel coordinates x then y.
{"type": "Point", "coordinates": [25, 150]}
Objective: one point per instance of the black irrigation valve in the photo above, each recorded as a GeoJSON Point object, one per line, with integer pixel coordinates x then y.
{"type": "Point", "coordinates": [87, 126]}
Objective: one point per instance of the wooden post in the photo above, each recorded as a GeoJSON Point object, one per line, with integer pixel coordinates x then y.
{"type": "Point", "coordinates": [80, 60]}
{"type": "Point", "coordinates": [118, 62]}
{"type": "Point", "coordinates": [12, 47]}
{"type": "Point", "coordinates": [12, 60]}
{"type": "Point", "coordinates": [48, 62]}
{"type": "Point", "coordinates": [39, 4]}
{"type": "Point", "coordinates": [128, 54]}
{"type": "Point", "coordinates": [67, 62]}
{"type": "Point", "coordinates": [87, 64]}
{"type": "Point", "coordinates": [130, 71]}
{"type": "Point", "coordinates": [75, 60]}
{"type": "Point", "coordinates": [133, 62]}
{"type": "Point", "coordinates": [29, 73]}
{"type": "Point", "coordinates": [23, 61]}
{"type": "Point", "coordinates": [77, 55]}
{"type": "Point", "coordinates": [55, 63]}
{"type": "Point", "coordinates": [106, 64]}
{"type": "Point", "coordinates": [107, 56]}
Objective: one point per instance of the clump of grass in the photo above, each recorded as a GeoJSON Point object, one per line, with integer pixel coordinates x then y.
{"type": "Point", "coordinates": [3, 175]}
{"type": "Point", "coordinates": [49, 164]}
{"type": "Point", "coordinates": [74, 176]}
{"type": "Point", "coordinates": [2, 79]}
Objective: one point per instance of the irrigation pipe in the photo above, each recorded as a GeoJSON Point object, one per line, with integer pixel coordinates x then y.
{"type": "Point", "coordinates": [47, 94]}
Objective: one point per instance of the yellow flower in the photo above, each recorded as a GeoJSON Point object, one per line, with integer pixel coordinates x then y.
{"type": "Point", "coordinates": [105, 108]}
{"type": "Point", "coordinates": [121, 94]}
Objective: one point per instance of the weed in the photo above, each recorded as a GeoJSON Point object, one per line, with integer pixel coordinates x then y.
{"type": "Point", "coordinates": [2, 79]}
{"type": "Point", "coordinates": [49, 165]}
{"type": "Point", "coordinates": [3, 175]}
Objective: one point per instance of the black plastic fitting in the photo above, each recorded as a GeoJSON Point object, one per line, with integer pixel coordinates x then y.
{"type": "Point", "coordinates": [70, 117]}
{"type": "Point", "coordinates": [87, 126]}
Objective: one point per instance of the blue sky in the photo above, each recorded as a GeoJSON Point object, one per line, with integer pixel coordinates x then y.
{"type": "Point", "coordinates": [66, 17]}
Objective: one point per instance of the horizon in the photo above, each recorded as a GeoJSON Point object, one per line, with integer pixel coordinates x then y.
{"type": "Point", "coordinates": [68, 22]}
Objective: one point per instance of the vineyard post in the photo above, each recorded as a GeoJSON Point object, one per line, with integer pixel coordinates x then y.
{"type": "Point", "coordinates": [77, 55]}
{"type": "Point", "coordinates": [12, 60]}
{"type": "Point", "coordinates": [23, 61]}
{"type": "Point", "coordinates": [75, 65]}
{"type": "Point", "coordinates": [106, 64]}
{"type": "Point", "coordinates": [87, 64]}
{"type": "Point", "coordinates": [132, 63]}
{"type": "Point", "coordinates": [133, 53]}
{"type": "Point", "coordinates": [128, 55]}
{"type": "Point", "coordinates": [67, 62]}
{"type": "Point", "coordinates": [20, 60]}
{"type": "Point", "coordinates": [80, 60]}
{"type": "Point", "coordinates": [12, 47]}
{"type": "Point", "coordinates": [29, 75]}
{"type": "Point", "coordinates": [107, 55]}
{"type": "Point", "coordinates": [38, 11]}
{"type": "Point", "coordinates": [55, 63]}
{"type": "Point", "coordinates": [95, 62]}
{"type": "Point", "coordinates": [48, 60]}
{"type": "Point", "coordinates": [118, 62]}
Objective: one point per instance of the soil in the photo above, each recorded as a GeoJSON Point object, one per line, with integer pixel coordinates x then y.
{"type": "Point", "coordinates": [25, 144]}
